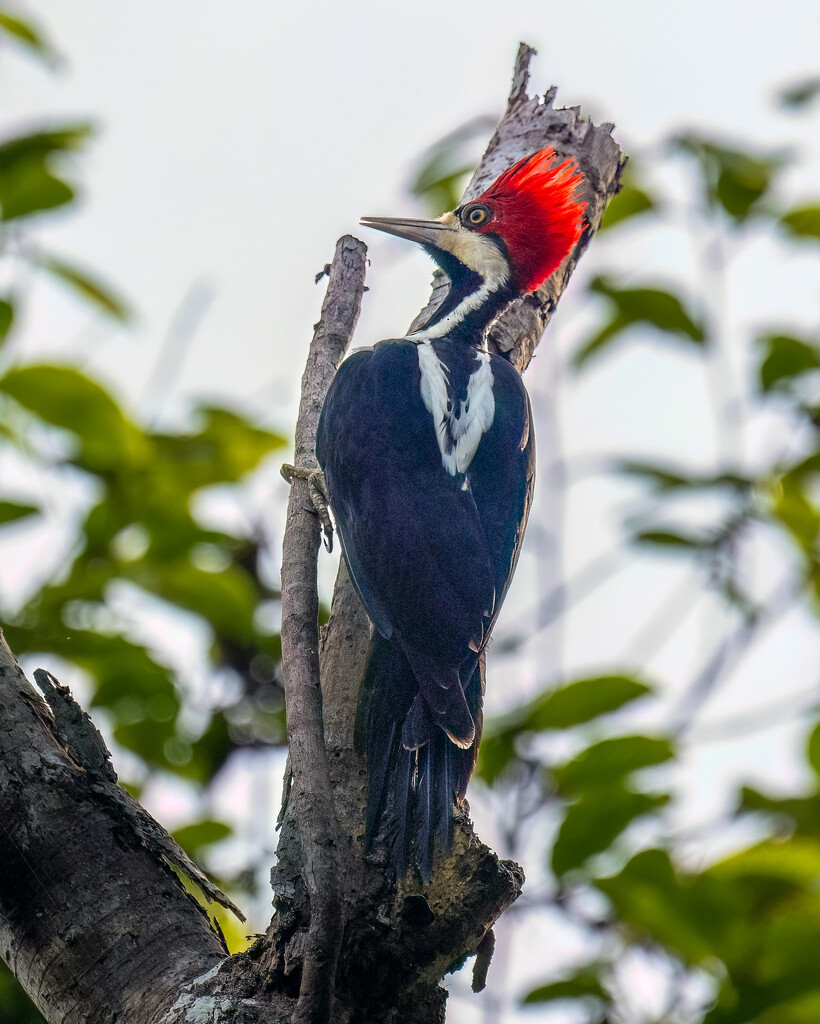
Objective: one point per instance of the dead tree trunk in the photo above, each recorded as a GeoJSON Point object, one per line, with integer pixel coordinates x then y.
{"type": "Point", "coordinates": [93, 919]}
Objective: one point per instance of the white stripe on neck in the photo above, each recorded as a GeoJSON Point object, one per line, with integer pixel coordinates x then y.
{"type": "Point", "coordinates": [455, 316]}
{"type": "Point", "coordinates": [495, 274]}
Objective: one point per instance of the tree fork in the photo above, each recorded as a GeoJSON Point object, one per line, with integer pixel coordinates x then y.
{"type": "Point", "coordinates": [94, 921]}
{"type": "Point", "coordinates": [398, 946]}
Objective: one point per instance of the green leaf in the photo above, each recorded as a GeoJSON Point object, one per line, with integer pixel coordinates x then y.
{"type": "Point", "coordinates": [669, 539]}
{"type": "Point", "coordinates": [794, 508]}
{"type": "Point", "coordinates": [441, 176]}
{"type": "Point", "coordinates": [633, 306]}
{"type": "Point", "coordinates": [665, 479]}
{"type": "Point", "coordinates": [800, 814]}
{"type": "Point", "coordinates": [193, 838]}
{"type": "Point", "coordinates": [695, 915]}
{"type": "Point", "coordinates": [732, 178]}
{"type": "Point", "coordinates": [496, 753]}
{"type": "Point", "coordinates": [6, 319]}
{"type": "Point", "coordinates": [763, 867]}
{"type": "Point", "coordinates": [786, 357]}
{"type": "Point", "coordinates": [800, 94]}
{"type": "Point", "coordinates": [611, 759]}
{"type": "Point", "coordinates": [27, 182]}
{"type": "Point", "coordinates": [227, 599]}
{"type": "Point", "coordinates": [10, 511]}
{"type": "Point", "coordinates": [15, 1004]}
{"type": "Point", "coordinates": [771, 959]}
{"type": "Point", "coordinates": [66, 398]}
{"type": "Point", "coordinates": [26, 34]}
{"type": "Point", "coordinates": [88, 287]}
{"type": "Point", "coordinates": [628, 203]}
{"type": "Point", "coordinates": [803, 222]}
{"type": "Point", "coordinates": [574, 704]}
{"type": "Point", "coordinates": [581, 701]}
{"type": "Point", "coordinates": [813, 749]}
{"type": "Point", "coordinates": [592, 824]}
{"type": "Point", "coordinates": [153, 741]}
{"type": "Point", "coordinates": [213, 748]}
{"type": "Point", "coordinates": [224, 449]}
{"type": "Point", "coordinates": [583, 983]}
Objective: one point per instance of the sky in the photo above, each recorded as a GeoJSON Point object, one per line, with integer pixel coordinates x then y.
{"type": "Point", "coordinates": [234, 145]}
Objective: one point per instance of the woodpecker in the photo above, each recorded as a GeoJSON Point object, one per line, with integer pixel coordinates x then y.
{"type": "Point", "coordinates": [427, 448]}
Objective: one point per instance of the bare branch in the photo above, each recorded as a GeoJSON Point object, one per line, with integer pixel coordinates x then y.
{"type": "Point", "coordinates": [312, 791]}
{"type": "Point", "coordinates": [729, 651]}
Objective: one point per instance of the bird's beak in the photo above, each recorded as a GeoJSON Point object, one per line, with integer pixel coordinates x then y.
{"type": "Point", "coordinates": [425, 232]}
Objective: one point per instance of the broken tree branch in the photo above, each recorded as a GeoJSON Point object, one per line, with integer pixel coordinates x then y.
{"type": "Point", "coordinates": [398, 944]}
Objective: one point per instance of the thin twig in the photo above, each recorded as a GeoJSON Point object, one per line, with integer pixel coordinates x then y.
{"type": "Point", "coordinates": [312, 791]}
{"type": "Point", "coordinates": [181, 332]}
{"type": "Point", "coordinates": [765, 716]}
{"type": "Point", "coordinates": [728, 652]}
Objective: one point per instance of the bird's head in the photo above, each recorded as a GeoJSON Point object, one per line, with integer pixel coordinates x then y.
{"type": "Point", "coordinates": [513, 236]}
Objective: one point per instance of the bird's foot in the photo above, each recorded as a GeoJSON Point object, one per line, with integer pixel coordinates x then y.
{"type": "Point", "coordinates": [317, 489]}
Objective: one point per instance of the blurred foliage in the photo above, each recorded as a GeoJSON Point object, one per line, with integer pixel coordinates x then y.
{"type": "Point", "coordinates": [140, 530]}
{"type": "Point", "coordinates": [25, 33]}
{"type": "Point", "coordinates": [800, 94]}
{"type": "Point", "coordinates": [444, 170]}
{"type": "Point", "coordinates": [137, 540]}
{"type": "Point", "coordinates": [631, 201]}
{"type": "Point", "coordinates": [735, 181]}
{"type": "Point", "coordinates": [631, 306]}
{"type": "Point", "coordinates": [736, 939]}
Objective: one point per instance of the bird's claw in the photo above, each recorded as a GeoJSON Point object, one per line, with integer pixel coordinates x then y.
{"type": "Point", "coordinates": [317, 490]}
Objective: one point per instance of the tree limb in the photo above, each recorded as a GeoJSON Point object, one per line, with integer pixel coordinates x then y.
{"type": "Point", "coordinates": [93, 920]}
{"type": "Point", "coordinates": [398, 944]}
{"type": "Point", "coordinates": [312, 791]}
{"type": "Point", "coordinates": [86, 904]}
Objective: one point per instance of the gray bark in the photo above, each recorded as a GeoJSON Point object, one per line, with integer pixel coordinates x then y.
{"type": "Point", "coordinates": [87, 907]}
{"type": "Point", "coordinates": [312, 793]}
{"type": "Point", "coordinates": [94, 921]}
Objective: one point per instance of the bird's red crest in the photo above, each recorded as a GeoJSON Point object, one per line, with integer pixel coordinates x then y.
{"type": "Point", "coordinates": [537, 212]}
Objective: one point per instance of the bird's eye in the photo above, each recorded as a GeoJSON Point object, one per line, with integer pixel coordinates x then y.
{"type": "Point", "coordinates": [475, 216]}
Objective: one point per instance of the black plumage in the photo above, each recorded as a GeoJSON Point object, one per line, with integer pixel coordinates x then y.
{"type": "Point", "coordinates": [431, 555]}
{"type": "Point", "coordinates": [427, 448]}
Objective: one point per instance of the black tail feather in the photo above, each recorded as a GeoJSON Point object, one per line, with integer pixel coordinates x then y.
{"type": "Point", "coordinates": [411, 793]}
{"type": "Point", "coordinates": [384, 707]}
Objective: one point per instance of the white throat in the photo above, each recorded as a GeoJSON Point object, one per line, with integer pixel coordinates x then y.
{"type": "Point", "coordinates": [484, 258]}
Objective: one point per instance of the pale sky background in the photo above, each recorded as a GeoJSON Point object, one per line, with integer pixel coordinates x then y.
{"type": "Point", "coordinates": [237, 142]}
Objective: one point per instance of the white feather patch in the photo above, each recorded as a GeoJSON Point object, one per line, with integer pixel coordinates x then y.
{"type": "Point", "coordinates": [480, 255]}
{"type": "Point", "coordinates": [458, 435]}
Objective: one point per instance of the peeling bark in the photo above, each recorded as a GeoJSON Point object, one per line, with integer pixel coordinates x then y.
{"type": "Point", "coordinates": [94, 920]}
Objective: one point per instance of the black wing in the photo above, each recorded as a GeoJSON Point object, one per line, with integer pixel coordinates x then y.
{"type": "Point", "coordinates": [502, 476]}
{"type": "Point", "coordinates": [412, 534]}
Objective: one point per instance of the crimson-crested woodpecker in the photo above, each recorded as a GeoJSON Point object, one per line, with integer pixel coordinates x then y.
{"type": "Point", "coordinates": [427, 447]}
